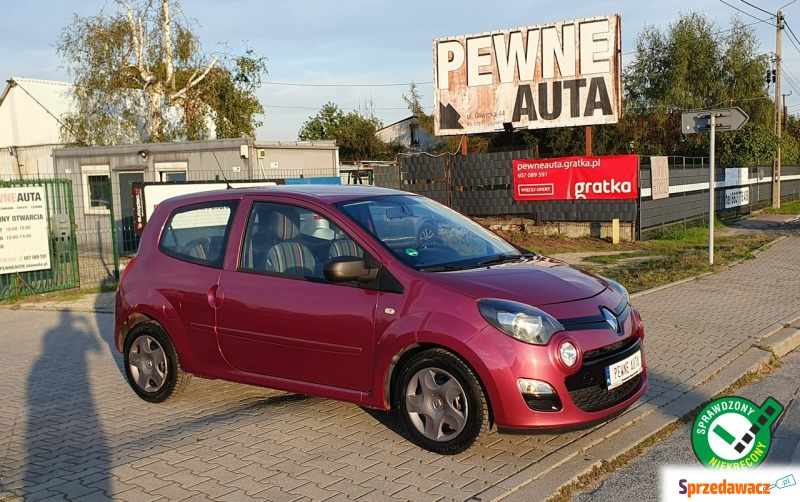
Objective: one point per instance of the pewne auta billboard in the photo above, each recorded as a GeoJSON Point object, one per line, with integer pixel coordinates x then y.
{"type": "Point", "coordinates": [561, 74]}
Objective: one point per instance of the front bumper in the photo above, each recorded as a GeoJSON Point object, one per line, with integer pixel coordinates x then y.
{"type": "Point", "coordinates": [581, 395]}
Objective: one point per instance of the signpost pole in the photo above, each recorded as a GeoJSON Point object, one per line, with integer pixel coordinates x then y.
{"type": "Point", "coordinates": [730, 119]}
{"type": "Point", "coordinates": [712, 148]}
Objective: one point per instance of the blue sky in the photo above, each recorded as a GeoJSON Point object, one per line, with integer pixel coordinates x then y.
{"type": "Point", "coordinates": [348, 51]}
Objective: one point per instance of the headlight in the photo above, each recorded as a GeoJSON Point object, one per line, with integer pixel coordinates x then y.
{"type": "Point", "coordinates": [523, 322]}
{"type": "Point", "coordinates": [619, 288]}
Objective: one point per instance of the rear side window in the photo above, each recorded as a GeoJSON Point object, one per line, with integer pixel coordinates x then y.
{"type": "Point", "coordinates": [199, 233]}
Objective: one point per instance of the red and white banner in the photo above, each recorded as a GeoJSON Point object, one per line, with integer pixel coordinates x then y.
{"type": "Point", "coordinates": [577, 178]}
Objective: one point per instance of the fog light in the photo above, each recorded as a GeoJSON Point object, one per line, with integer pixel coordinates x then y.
{"type": "Point", "coordinates": [534, 387]}
{"type": "Point", "coordinates": [568, 354]}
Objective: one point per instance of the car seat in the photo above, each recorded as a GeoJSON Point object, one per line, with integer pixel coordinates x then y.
{"type": "Point", "coordinates": [288, 256]}
{"type": "Point", "coordinates": [344, 247]}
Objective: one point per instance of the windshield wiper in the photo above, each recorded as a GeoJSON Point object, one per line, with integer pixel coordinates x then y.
{"type": "Point", "coordinates": [501, 258]}
{"type": "Point", "coordinates": [443, 268]}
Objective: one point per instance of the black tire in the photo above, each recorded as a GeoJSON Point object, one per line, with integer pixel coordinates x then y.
{"type": "Point", "coordinates": [439, 423]}
{"type": "Point", "coordinates": [151, 364]}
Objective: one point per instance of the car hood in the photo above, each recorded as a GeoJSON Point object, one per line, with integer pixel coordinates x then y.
{"type": "Point", "coordinates": [536, 281]}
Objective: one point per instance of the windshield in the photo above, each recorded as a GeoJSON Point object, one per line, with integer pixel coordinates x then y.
{"type": "Point", "coordinates": [427, 235]}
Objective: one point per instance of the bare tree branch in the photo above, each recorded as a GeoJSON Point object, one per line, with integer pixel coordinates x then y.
{"type": "Point", "coordinates": [166, 29]}
{"type": "Point", "coordinates": [194, 81]}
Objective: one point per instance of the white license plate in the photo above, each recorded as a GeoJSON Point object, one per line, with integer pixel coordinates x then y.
{"type": "Point", "coordinates": [619, 373]}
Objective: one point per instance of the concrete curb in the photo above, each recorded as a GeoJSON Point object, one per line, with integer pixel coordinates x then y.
{"type": "Point", "coordinates": [650, 420]}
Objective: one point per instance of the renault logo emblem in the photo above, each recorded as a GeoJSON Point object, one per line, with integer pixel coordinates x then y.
{"type": "Point", "coordinates": [611, 319]}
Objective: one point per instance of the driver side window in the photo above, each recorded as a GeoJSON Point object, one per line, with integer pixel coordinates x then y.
{"type": "Point", "coordinates": [292, 241]}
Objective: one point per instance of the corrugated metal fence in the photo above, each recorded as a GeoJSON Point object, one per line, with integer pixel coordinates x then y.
{"type": "Point", "coordinates": [481, 186]}
{"type": "Point", "coordinates": [477, 185]}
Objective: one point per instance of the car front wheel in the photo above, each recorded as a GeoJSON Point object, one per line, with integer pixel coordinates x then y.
{"type": "Point", "coordinates": [441, 402]}
{"type": "Point", "coordinates": [151, 364]}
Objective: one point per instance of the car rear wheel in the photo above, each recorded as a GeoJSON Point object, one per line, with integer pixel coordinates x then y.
{"type": "Point", "coordinates": [151, 364]}
{"type": "Point", "coordinates": [441, 402]}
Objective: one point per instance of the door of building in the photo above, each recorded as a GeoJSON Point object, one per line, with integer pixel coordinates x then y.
{"type": "Point", "coordinates": [130, 239]}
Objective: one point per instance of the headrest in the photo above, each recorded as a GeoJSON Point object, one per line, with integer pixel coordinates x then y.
{"type": "Point", "coordinates": [284, 225]}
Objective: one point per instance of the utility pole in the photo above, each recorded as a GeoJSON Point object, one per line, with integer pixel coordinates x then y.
{"type": "Point", "coordinates": [776, 171]}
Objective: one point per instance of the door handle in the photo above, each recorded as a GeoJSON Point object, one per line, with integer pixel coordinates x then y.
{"type": "Point", "coordinates": [216, 295]}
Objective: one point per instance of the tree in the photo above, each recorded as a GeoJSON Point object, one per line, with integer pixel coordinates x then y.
{"type": "Point", "coordinates": [140, 76]}
{"type": "Point", "coordinates": [693, 65]}
{"type": "Point", "coordinates": [414, 101]}
{"type": "Point", "coordinates": [354, 132]}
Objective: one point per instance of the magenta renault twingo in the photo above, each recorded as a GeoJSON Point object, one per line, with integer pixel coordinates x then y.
{"type": "Point", "coordinates": [377, 297]}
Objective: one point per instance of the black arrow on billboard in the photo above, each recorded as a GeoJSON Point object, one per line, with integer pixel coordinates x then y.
{"type": "Point", "coordinates": [449, 117]}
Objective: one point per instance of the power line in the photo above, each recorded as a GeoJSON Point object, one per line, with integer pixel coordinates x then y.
{"type": "Point", "coordinates": [758, 8]}
{"type": "Point", "coordinates": [715, 33]}
{"type": "Point", "coordinates": [792, 83]}
{"type": "Point", "coordinates": [791, 79]}
{"type": "Point", "coordinates": [677, 109]}
{"type": "Point", "coordinates": [792, 38]}
{"type": "Point", "coordinates": [298, 84]}
{"type": "Point", "coordinates": [746, 13]}
{"type": "Point", "coordinates": [343, 109]}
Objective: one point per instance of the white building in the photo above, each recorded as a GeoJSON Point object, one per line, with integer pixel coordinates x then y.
{"type": "Point", "coordinates": [30, 125]}
{"type": "Point", "coordinates": [408, 134]}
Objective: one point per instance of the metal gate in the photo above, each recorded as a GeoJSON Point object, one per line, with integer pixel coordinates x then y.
{"type": "Point", "coordinates": [63, 272]}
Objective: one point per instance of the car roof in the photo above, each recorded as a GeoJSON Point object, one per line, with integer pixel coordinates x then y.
{"type": "Point", "coordinates": [321, 193]}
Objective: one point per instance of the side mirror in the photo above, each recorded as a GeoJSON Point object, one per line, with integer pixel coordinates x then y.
{"type": "Point", "coordinates": [347, 269]}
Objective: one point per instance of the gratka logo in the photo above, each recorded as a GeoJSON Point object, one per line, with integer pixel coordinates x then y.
{"type": "Point", "coordinates": [605, 187]}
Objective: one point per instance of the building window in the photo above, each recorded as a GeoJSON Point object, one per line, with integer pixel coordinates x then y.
{"type": "Point", "coordinates": [173, 176]}
{"type": "Point", "coordinates": [172, 171]}
{"type": "Point", "coordinates": [96, 189]}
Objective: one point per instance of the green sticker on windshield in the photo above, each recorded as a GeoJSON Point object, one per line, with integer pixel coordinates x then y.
{"type": "Point", "coordinates": [412, 252]}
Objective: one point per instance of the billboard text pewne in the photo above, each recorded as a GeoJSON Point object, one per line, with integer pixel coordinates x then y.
{"type": "Point", "coordinates": [561, 74]}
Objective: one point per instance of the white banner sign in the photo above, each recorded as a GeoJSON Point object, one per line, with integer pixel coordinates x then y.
{"type": "Point", "coordinates": [24, 242]}
{"type": "Point", "coordinates": [736, 176]}
{"type": "Point", "coordinates": [736, 197]}
{"type": "Point", "coordinates": [659, 175]}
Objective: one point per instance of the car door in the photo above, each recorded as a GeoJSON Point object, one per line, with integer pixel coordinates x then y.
{"type": "Point", "coordinates": [280, 317]}
{"type": "Point", "coordinates": [193, 239]}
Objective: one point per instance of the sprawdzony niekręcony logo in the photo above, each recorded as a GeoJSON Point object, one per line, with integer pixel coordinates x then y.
{"type": "Point", "coordinates": [733, 433]}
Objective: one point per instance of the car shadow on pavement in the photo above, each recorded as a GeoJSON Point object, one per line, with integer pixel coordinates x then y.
{"type": "Point", "coordinates": [65, 438]}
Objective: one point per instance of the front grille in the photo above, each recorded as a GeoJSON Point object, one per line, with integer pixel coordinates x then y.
{"type": "Point", "coordinates": [542, 403]}
{"type": "Point", "coordinates": [587, 388]}
{"type": "Point", "coordinates": [621, 346]}
{"type": "Point", "coordinates": [597, 397]}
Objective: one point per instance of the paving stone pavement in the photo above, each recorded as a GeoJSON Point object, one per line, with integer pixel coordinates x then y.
{"type": "Point", "coordinates": [71, 428]}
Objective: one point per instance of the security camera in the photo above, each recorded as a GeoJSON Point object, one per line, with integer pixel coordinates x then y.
{"type": "Point", "coordinates": [143, 154]}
